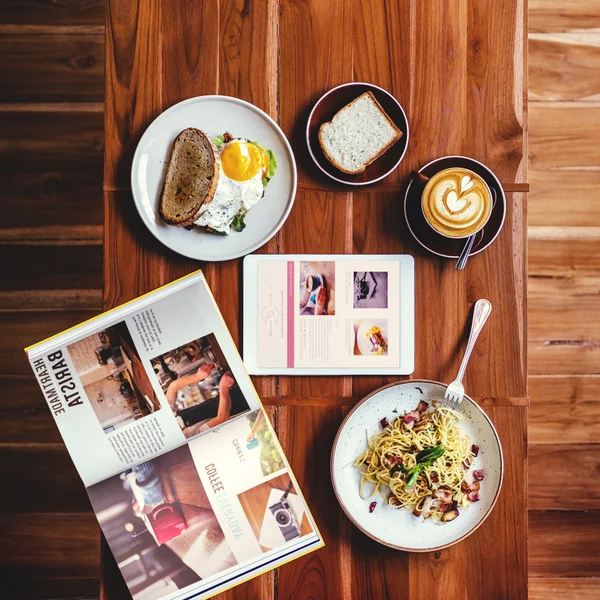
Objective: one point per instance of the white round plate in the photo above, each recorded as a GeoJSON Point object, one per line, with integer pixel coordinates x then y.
{"type": "Point", "coordinates": [361, 335]}
{"type": "Point", "coordinates": [400, 529]}
{"type": "Point", "coordinates": [214, 115]}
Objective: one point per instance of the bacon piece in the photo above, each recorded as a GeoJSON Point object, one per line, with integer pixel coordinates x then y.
{"type": "Point", "coordinates": [393, 500]}
{"type": "Point", "coordinates": [443, 507]}
{"type": "Point", "coordinates": [473, 496]}
{"type": "Point", "coordinates": [227, 136]}
{"type": "Point", "coordinates": [474, 487]}
{"type": "Point", "coordinates": [384, 423]}
{"type": "Point", "coordinates": [450, 515]}
{"type": "Point", "coordinates": [478, 474]}
{"type": "Point", "coordinates": [410, 424]}
{"type": "Point", "coordinates": [466, 464]}
{"type": "Point", "coordinates": [443, 495]}
{"type": "Point", "coordinates": [426, 509]}
{"type": "Point", "coordinates": [391, 460]}
{"type": "Point", "coordinates": [416, 512]}
{"type": "Point", "coordinates": [475, 449]}
{"type": "Point", "coordinates": [434, 479]}
{"type": "Point", "coordinates": [423, 406]}
{"type": "Point", "coordinates": [411, 416]}
{"type": "Point", "coordinates": [372, 506]}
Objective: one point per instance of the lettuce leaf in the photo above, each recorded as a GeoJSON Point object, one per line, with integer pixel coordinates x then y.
{"type": "Point", "coordinates": [238, 221]}
{"type": "Point", "coordinates": [217, 141]}
{"type": "Point", "coordinates": [272, 164]}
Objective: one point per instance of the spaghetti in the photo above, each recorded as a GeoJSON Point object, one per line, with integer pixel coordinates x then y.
{"type": "Point", "coordinates": [425, 461]}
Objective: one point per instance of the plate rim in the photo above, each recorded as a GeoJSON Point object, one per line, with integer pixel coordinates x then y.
{"type": "Point", "coordinates": [374, 537]}
{"type": "Point", "coordinates": [309, 145]}
{"type": "Point", "coordinates": [285, 141]}
{"type": "Point", "coordinates": [468, 158]}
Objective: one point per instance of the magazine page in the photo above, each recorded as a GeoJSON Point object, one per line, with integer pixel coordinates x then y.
{"type": "Point", "coordinates": [218, 510]}
{"type": "Point", "coordinates": [136, 383]}
{"type": "Point", "coordinates": [332, 314]}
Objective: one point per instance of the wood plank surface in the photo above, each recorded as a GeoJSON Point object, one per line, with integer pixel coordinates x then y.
{"type": "Point", "coordinates": [546, 200]}
{"type": "Point", "coordinates": [560, 256]}
{"type": "Point", "coordinates": [564, 544]}
{"type": "Point", "coordinates": [564, 476]}
{"type": "Point", "coordinates": [565, 408]}
{"type": "Point", "coordinates": [563, 135]}
{"type": "Point", "coordinates": [63, 13]}
{"type": "Point", "coordinates": [142, 80]}
{"type": "Point", "coordinates": [579, 588]}
{"type": "Point", "coordinates": [564, 66]}
{"type": "Point", "coordinates": [39, 469]}
{"type": "Point", "coordinates": [56, 141]}
{"type": "Point", "coordinates": [51, 68]}
{"type": "Point", "coordinates": [53, 545]}
{"type": "Point", "coordinates": [557, 16]}
{"type": "Point", "coordinates": [563, 357]}
{"type": "Point", "coordinates": [23, 402]}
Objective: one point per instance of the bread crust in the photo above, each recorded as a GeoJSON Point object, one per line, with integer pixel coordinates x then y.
{"type": "Point", "coordinates": [380, 153]}
{"type": "Point", "coordinates": [211, 190]}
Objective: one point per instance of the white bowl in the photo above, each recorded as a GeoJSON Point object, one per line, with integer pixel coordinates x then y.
{"type": "Point", "coordinates": [396, 528]}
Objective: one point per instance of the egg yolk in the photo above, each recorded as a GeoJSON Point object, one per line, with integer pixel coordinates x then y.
{"type": "Point", "coordinates": [242, 161]}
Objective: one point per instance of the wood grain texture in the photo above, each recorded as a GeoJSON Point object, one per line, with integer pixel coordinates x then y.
{"type": "Point", "coordinates": [40, 468]}
{"type": "Point", "coordinates": [581, 588]}
{"type": "Point", "coordinates": [57, 588]}
{"type": "Point", "coordinates": [52, 198]}
{"type": "Point", "coordinates": [547, 196]}
{"type": "Point", "coordinates": [51, 68]}
{"type": "Point", "coordinates": [564, 66]}
{"type": "Point", "coordinates": [563, 134]}
{"type": "Point", "coordinates": [564, 476]}
{"type": "Point", "coordinates": [53, 545]}
{"type": "Point", "coordinates": [284, 68]}
{"type": "Point", "coordinates": [575, 254]}
{"type": "Point", "coordinates": [20, 330]}
{"type": "Point", "coordinates": [564, 544]}
{"type": "Point", "coordinates": [50, 142]}
{"type": "Point", "coordinates": [45, 12]}
{"type": "Point", "coordinates": [573, 298]}
{"type": "Point", "coordinates": [565, 408]}
{"type": "Point", "coordinates": [23, 402]}
{"type": "Point", "coordinates": [53, 267]}
{"type": "Point", "coordinates": [563, 357]}
{"type": "Point", "coordinates": [557, 16]}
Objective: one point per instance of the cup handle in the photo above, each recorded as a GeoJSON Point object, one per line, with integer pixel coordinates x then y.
{"type": "Point", "coordinates": [418, 177]}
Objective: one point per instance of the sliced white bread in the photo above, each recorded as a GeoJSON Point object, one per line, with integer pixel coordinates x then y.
{"type": "Point", "coordinates": [358, 134]}
{"type": "Point", "coordinates": [191, 179]}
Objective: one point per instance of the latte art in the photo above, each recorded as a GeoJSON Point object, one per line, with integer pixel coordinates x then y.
{"type": "Point", "coordinates": [456, 202]}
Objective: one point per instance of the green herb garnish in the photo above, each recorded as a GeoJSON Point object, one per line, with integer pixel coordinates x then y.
{"type": "Point", "coordinates": [220, 139]}
{"type": "Point", "coordinates": [238, 221]}
{"type": "Point", "coordinates": [425, 458]}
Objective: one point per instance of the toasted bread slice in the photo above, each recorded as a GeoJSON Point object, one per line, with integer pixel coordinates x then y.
{"type": "Point", "coordinates": [358, 134]}
{"type": "Point", "coordinates": [191, 179]}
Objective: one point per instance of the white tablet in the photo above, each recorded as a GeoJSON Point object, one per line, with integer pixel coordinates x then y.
{"type": "Point", "coordinates": [329, 314]}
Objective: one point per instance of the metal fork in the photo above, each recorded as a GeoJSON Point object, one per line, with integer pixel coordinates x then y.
{"type": "Point", "coordinates": [456, 391]}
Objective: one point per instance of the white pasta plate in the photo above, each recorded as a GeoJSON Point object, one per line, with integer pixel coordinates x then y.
{"type": "Point", "coordinates": [399, 528]}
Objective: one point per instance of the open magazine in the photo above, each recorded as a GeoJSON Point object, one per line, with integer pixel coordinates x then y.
{"type": "Point", "coordinates": [185, 474]}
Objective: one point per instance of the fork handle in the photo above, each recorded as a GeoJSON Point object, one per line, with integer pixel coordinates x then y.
{"type": "Point", "coordinates": [481, 312]}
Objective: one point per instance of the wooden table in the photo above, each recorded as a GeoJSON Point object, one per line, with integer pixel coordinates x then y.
{"type": "Point", "coordinates": [458, 68]}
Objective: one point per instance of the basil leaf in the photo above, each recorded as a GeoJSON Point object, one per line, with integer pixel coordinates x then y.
{"type": "Point", "coordinates": [413, 475]}
{"type": "Point", "coordinates": [428, 456]}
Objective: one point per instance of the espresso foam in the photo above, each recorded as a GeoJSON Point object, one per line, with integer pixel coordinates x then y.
{"type": "Point", "coordinates": [456, 202]}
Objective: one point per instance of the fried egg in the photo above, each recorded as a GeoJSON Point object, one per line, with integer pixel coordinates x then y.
{"type": "Point", "coordinates": [240, 185]}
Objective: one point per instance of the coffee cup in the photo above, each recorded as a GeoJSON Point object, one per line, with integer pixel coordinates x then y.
{"type": "Point", "coordinates": [456, 202]}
